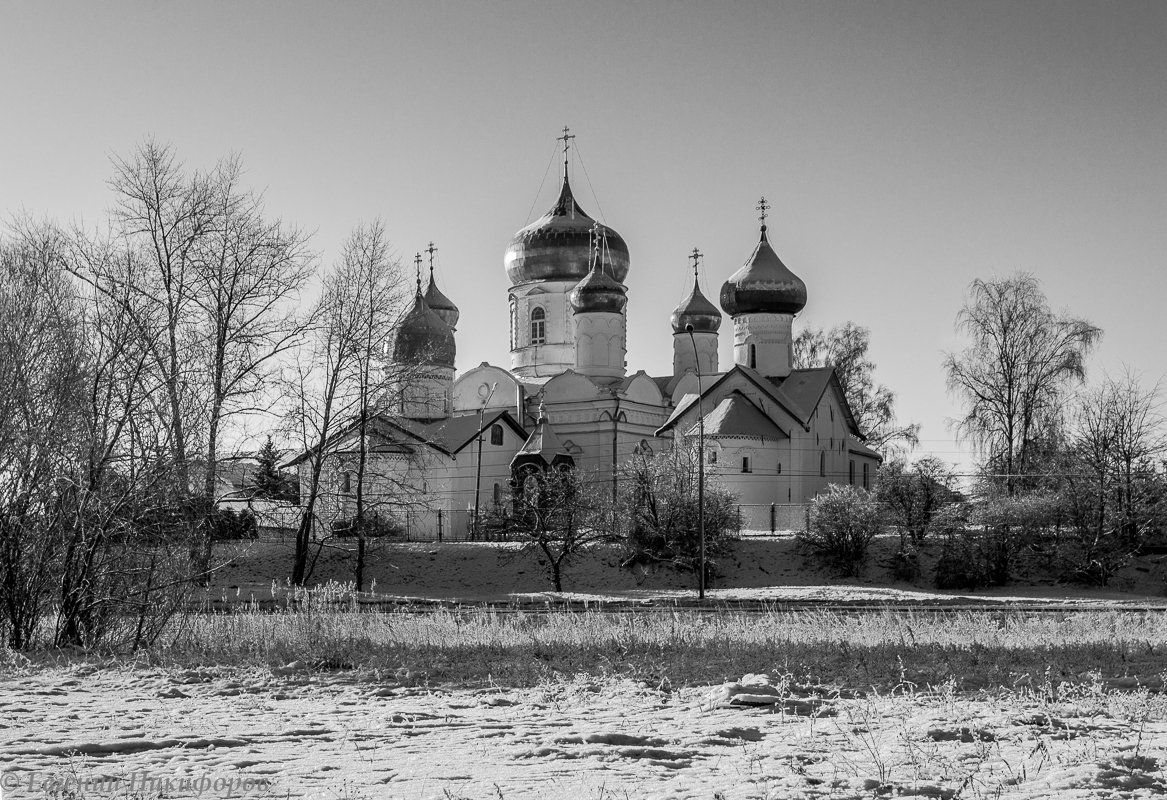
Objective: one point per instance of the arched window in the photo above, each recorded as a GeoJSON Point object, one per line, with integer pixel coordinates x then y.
{"type": "Point", "coordinates": [779, 467]}
{"type": "Point", "coordinates": [746, 464]}
{"type": "Point", "coordinates": [538, 325]}
{"type": "Point", "coordinates": [753, 356]}
{"type": "Point", "coordinates": [496, 434]}
{"type": "Point", "coordinates": [823, 463]}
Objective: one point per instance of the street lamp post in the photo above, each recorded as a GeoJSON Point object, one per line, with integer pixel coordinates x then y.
{"type": "Point", "coordinates": [485, 395]}
{"type": "Point", "coordinates": [700, 467]}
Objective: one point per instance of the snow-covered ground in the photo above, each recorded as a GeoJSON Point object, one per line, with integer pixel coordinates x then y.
{"type": "Point", "coordinates": [88, 731]}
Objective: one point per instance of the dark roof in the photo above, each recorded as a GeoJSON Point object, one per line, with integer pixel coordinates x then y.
{"type": "Point", "coordinates": [807, 386]}
{"type": "Point", "coordinates": [798, 394]}
{"type": "Point", "coordinates": [397, 435]}
{"type": "Point", "coordinates": [737, 415]}
{"type": "Point", "coordinates": [454, 433]}
{"type": "Point", "coordinates": [543, 444]}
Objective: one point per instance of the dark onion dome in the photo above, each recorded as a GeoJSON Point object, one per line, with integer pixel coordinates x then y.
{"type": "Point", "coordinates": [558, 246]}
{"type": "Point", "coordinates": [423, 337]}
{"type": "Point", "coordinates": [440, 304]}
{"type": "Point", "coordinates": [599, 291]}
{"type": "Point", "coordinates": [697, 311]}
{"type": "Point", "coordinates": [763, 286]}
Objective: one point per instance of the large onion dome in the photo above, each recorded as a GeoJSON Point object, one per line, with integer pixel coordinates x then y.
{"type": "Point", "coordinates": [423, 337]}
{"type": "Point", "coordinates": [697, 311]}
{"type": "Point", "coordinates": [440, 304]}
{"type": "Point", "coordinates": [598, 291]}
{"type": "Point", "coordinates": [557, 246]}
{"type": "Point", "coordinates": [764, 285]}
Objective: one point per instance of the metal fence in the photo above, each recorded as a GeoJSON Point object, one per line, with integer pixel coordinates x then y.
{"type": "Point", "coordinates": [424, 525]}
{"type": "Point", "coordinates": [763, 519]}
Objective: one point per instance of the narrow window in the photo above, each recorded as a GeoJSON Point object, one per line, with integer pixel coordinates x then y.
{"type": "Point", "coordinates": [712, 457]}
{"type": "Point", "coordinates": [779, 467]}
{"type": "Point", "coordinates": [496, 434]}
{"type": "Point", "coordinates": [851, 472]}
{"type": "Point", "coordinates": [746, 464]}
{"type": "Point", "coordinates": [865, 477]}
{"type": "Point", "coordinates": [346, 482]}
{"type": "Point", "coordinates": [497, 494]}
{"type": "Point", "coordinates": [823, 463]}
{"type": "Point", "coordinates": [753, 357]}
{"type": "Point", "coordinates": [538, 325]}
{"type": "Point", "coordinates": [514, 324]}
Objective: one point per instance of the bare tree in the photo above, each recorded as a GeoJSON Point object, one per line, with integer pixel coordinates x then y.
{"type": "Point", "coordinates": [844, 347]}
{"type": "Point", "coordinates": [337, 381]}
{"type": "Point", "coordinates": [374, 282]}
{"type": "Point", "coordinates": [1114, 485]}
{"type": "Point", "coordinates": [559, 514]}
{"type": "Point", "coordinates": [1013, 375]}
{"type": "Point", "coordinates": [166, 218]}
{"type": "Point", "coordinates": [42, 378]}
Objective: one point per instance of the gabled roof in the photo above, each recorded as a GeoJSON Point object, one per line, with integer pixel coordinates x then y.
{"type": "Point", "coordinates": [799, 394]}
{"type": "Point", "coordinates": [403, 436]}
{"type": "Point", "coordinates": [767, 387]}
{"type": "Point", "coordinates": [455, 433]}
{"type": "Point", "coordinates": [807, 386]}
{"type": "Point", "coordinates": [737, 415]}
{"type": "Point", "coordinates": [543, 444]}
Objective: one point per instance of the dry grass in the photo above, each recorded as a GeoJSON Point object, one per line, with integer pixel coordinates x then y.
{"type": "Point", "coordinates": [859, 650]}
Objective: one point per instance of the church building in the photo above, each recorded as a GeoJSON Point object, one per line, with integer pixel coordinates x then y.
{"type": "Point", "coordinates": [774, 435]}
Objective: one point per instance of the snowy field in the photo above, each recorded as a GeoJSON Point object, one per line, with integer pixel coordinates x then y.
{"type": "Point", "coordinates": [315, 699]}
{"type": "Point", "coordinates": [89, 730]}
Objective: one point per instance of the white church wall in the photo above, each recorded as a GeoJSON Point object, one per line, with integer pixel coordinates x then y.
{"type": "Point", "coordinates": [496, 471]}
{"type": "Point", "coordinates": [469, 391]}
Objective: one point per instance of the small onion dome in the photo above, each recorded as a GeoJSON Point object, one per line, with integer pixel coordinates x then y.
{"type": "Point", "coordinates": [558, 246]}
{"type": "Point", "coordinates": [697, 311]}
{"type": "Point", "coordinates": [599, 291]}
{"type": "Point", "coordinates": [423, 337]}
{"type": "Point", "coordinates": [440, 304]}
{"type": "Point", "coordinates": [763, 286]}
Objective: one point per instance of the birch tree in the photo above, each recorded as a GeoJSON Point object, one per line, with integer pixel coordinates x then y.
{"type": "Point", "coordinates": [1013, 375]}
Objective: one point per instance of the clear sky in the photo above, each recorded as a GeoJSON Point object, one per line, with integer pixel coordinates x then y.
{"type": "Point", "coordinates": [906, 147]}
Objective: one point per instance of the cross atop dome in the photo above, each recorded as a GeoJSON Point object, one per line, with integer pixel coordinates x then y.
{"type": "Point", "coordinates": [431, 250]}
{"type": "Point", "coordinates": [417, 269]}
{"type": "Point", "coordinates": [762, 207]}
{"type": "Point", "coordinates": [696, 256]}
{"type": "Point", "coordinates": [566, 139]}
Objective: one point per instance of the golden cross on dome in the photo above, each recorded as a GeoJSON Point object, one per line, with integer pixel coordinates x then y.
{"type": "Point", "coordinates": [417, 266]}
{"type": "Point", "coordinates": [762, 208]}
{"type": "Point", "coordinates": [431, 250]}
{"type": "Point", "coordinates": [696, 256]}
